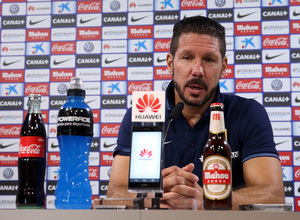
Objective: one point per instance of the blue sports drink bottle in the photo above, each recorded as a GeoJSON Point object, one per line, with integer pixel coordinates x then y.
{"type": "Point", "coordinates": [74, 134]}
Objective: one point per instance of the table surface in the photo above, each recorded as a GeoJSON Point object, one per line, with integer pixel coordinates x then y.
{"type": "Point", "coordinates": [144, 215]}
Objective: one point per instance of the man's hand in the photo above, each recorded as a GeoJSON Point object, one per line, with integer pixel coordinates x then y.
{"type": "Point", "coordinates": [180, 188]}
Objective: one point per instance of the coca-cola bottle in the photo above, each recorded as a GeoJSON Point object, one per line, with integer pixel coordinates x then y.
{"type": "Point", "coordinates": [31, 161]}
{"type": "Point", "coordinates": [217, 184]}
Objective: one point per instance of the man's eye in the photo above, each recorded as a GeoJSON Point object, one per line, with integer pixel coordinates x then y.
{"type": "Point", "coordinates": [186, 57]}
{"type": "Point", "coordinates": [208, 59]}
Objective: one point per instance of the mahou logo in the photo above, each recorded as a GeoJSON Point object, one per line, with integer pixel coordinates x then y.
{"type": "Point", "coordinates": [89, 33]}
{"type": "Point", "coordinates": [140, 86]}
{"type": "Point", "coordinates": [162, 45]}
{"type": "Point", "coordinates": [148, 102]}
{"type": "Point", "coordinates": [110, 130]}
{"type": "Point", "coordinates": [31, 146]}
{"type": "Point", "coordinates": [193, 4]}
{"type": "Point", "coordinates": [12, 76]}
{"type": "Point", "coordinates": [63, 48]}
{"type": "Point", "coordinates": [38, 35]}
{"type": "Point", "coordinates": [146, 153]}
{"type": "Point", "coordinates": [276, 70]}
{"type": "Point", "coordinates": [88, 7]}
{"type": "Point", "coordinates": [37, 88]}
{"type": "Point", "coordinates": [248, 85]}
{"type": "Point", "coordinates": [271, 42]}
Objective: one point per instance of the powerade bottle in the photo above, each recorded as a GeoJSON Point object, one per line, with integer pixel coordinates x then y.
{"type": "Point", "coordinates": [74, 134]}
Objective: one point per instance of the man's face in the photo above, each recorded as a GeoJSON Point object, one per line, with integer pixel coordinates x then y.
{"type": "Point", "coordinates": [196, 67]}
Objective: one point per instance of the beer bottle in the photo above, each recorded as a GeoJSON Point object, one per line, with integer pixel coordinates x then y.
{"type": "Point", "coordinates": [217, 184]}
{"type": "Point", "coordinates": [32, 160]}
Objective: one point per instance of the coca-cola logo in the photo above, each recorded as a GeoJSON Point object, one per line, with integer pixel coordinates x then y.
{"type": "Point", "coordinates": [89, 6]}
{"type": "Point", "coordinates": [32, 149]}
{"type": "Point", "coordinates": [41, 89]}
{"type": "Point", "coordinates": [94, 173]}
{"type": "Point", "coordinates": [297, 174]}
{"type": "Point", "coordinates": [140, 86]}
{"type": "Point", "coordinates": [161, 45]}
{"type": "Point", "coordinates": [192, 4]}
{"type": "Point", "coordinates": [10, 131]}
{"type": "Point", "coordinates": [63, 48]}
{"type": "Point", "coordinates": [108, 130]}
{"type": "Point", "coordinates": [249, 85]}
{"type": "Point", "coordinates": [277, 42]}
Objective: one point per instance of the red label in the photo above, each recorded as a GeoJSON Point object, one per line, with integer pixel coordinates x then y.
{"type": "Point", "coordinates": [229, 72]}
{"type": "Point", "coordinates": [162, 73]}
{"type": "Point", "coordinates": [295, 27]}
{"type": "Point", "coordinates": [11, 76]}
{"type": "Point", "coordinates": [10, 131]}
{"type": "Point", "coordinates": [9, 159]}
{"type": "Point", "coordinates": [162, 45]}
{"type": "Point", "coordinates": [61, 75]}
{"type": "Point", "coordinates": [271, 42]}
{"type": "Point", "coordinates": [96, 115]}
{"type": "Point", "coordinates": [248, 28]}
{"type": "Point", "coordinates": [89, 33]}
{"type": "Point", "coordinates": [110, 130]}
{"type": "Point", "coordinates": [248, 85]}
{"type": "Point", "coordinates": [89, 6]}
{"type": "Point", "coordinates": [295, 2]}
{"type": "Point", "coordinates": [32, 146]}
{"type": "Point", "coordinates": [297, 204]}
{"type": "Point", "coordinates": [106, 159]}
{"type": "Point", "coordinates": [296, 113]}
{"type": "Point", "coordinates": [140, 32]}
{"type": "Point", "coordinates": [140, 86]}
{"type": "Point", "coordinates": [37, 88]}
{"type": "Point", "coordinates": [53, 159]}
{"type": "Point", "coordinates": [276, 70]}
{"type": "Point", "coordinates": [94, 173]}
{"type": "Point", "coordinates": [114, 73]}
{"type": "Point", "coordinates": [63, 47]}
{"type": "Point", "coordinates": [286, 158]}
{"type": "Point", "coordinates": [38, 35]}
{"type": "Point", "coordinates": [193, 4]}
{"type": "Point", "coordinates": [216, 177]}
{"type": "Point", "coordinates": [297, 173]}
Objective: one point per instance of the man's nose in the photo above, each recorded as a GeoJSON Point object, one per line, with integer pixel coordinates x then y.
{"type": "Point", "coordinates": [197, 69]}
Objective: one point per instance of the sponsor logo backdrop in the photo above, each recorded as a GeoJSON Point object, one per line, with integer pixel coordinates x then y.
{"type": "Point", "coordinates": [120, 46]}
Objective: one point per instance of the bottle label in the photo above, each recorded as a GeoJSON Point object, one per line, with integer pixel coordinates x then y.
{"type": "Point", "coordinates": [75, 122]}
{"type": "Point", "coordinates": [216, 177]}
{"type": "Point", "coordinates": [31, 146]}
{"type": "Point", "coordinates": [217, 124]}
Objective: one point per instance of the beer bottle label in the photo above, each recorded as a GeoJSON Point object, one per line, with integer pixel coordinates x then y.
{"type": "Point", "coordinates": [217, 122]}
{"type": "Point", "coordinates": [216, 177]}
{"type": "Point", "coordinates": [31, 146]}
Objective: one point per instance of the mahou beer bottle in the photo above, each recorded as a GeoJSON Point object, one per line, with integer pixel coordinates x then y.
{"type": "Point", "coordinates": [217, 184]}
{"type": "Point", "coordinates": [31, 161]}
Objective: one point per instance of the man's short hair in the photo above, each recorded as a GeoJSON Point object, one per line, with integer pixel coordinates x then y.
{"type": "Point", "coordinates": [198, 25]}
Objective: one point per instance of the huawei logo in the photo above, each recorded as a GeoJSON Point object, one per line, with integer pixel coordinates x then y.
{"type": "Point", "coordinates": [146, 153]}
{"type": "Point", "coordinates": [148, 101]}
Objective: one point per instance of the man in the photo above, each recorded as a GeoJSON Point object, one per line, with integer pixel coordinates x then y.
{"type": "Point", "coordinates": [197, 61]}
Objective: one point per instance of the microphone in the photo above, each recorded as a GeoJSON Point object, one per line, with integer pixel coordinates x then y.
{"type": "Point", "coordinates": [172, 116]}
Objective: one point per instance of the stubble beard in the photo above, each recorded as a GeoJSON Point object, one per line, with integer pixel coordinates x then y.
{"type": "Point", "coordinates": [199, 82]}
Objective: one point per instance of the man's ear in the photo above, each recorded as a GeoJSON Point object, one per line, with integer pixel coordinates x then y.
{"type": "Point", "coordinates": [224, 67]}
{"type": "Point", "coordinates": [170, 63]}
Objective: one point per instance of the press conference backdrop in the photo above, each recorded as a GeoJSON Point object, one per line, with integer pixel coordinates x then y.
{"type": "Point", "coordinates": [117, 47]}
